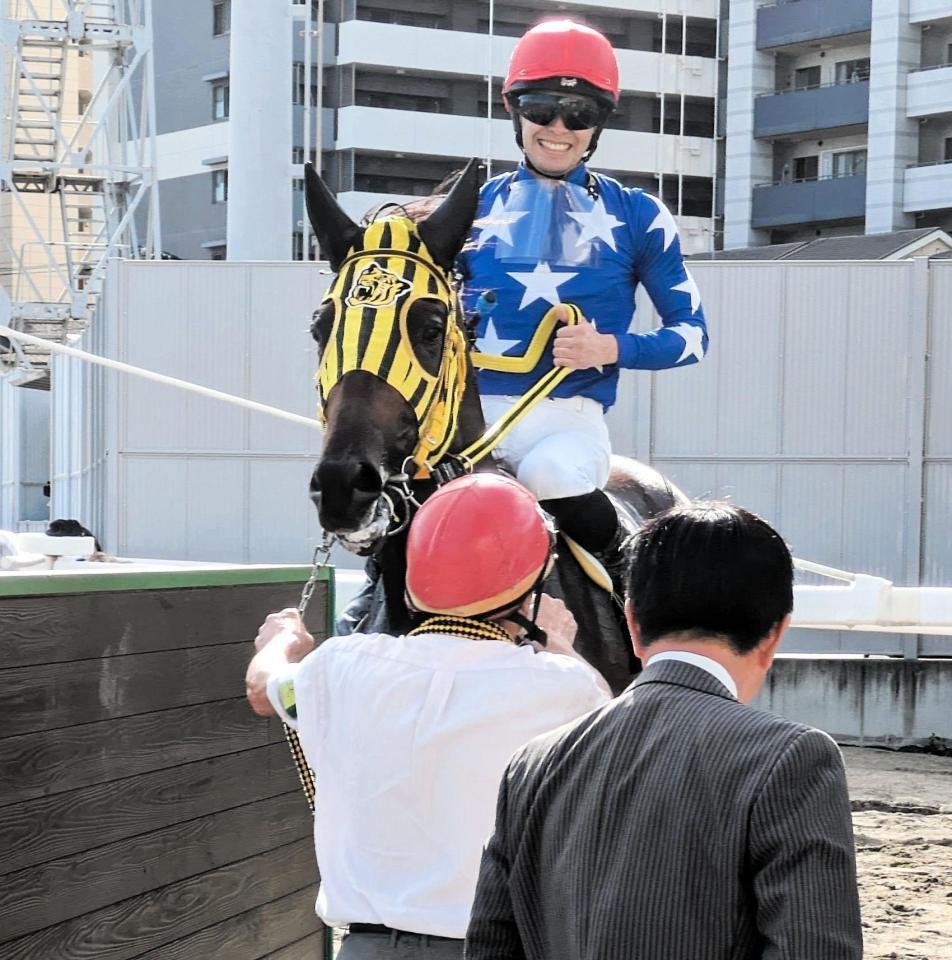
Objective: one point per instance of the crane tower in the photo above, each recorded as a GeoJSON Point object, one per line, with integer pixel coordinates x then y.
{"type": "Point", "coordinates": [78, 182]}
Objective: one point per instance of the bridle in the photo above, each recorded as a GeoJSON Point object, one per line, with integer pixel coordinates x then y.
{"type": "Point", "coordinates": [370, 333]}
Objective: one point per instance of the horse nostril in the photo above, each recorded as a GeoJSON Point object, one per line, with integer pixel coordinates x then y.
{"type": "Point", "coordinates": [367, 480]}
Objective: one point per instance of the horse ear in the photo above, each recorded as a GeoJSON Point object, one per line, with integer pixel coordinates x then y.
{"type": "Point", "coordinates": [444, 230]}
{"type": "Point", "coordinates": [335, 231]}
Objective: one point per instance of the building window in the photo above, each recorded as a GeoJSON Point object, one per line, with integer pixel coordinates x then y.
{"type": "Point", "coordinates": [219, 186]}
{"type": "Point", "coordinates": [806, 168]}
{"type": "Point", "coordinates": [852, 71]}
{"type": "Point", "coordinates": [220, 100]}
{"type": "Point", "coordinates": [849, 163]}
{"type": "Point", "coordinates": [218, 253]}
{"type": "Point", "coordinates": [221, 17]}
{"type": "Point", "coordinates": [948, 150]}
{"type": "Point", "coordinates": [806, 78]}
{"type": "Point", "coordinates": [297, 85]}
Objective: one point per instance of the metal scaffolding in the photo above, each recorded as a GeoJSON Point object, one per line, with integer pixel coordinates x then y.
{"type": "Point", "coordinates": [78, 183]}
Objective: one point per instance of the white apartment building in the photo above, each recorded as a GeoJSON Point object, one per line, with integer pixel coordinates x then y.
{"type": "Point", "coordinates": [838, 119]}
{"type": "Point", "coordinates": [402, 102]}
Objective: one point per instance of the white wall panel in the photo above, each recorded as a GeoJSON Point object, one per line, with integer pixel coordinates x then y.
{"type": "Point", "coordinates": [188, 477]}
{"type": "Point", "coordinates": [939, 369]}
{"type": "Point", "coordinates": [154, 509]}
{"type": "Point", "coordinates": [282, 356]}
{"type": "Point", "coordinates": [9, 456]}
{"type": "Point", "coordinates": [877, 362]}
{"type": "Point", "coordinates": [937, 528]}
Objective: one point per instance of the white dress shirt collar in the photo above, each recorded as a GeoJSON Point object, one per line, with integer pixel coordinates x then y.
{"type": "Point", "coordinates": [715, 669]}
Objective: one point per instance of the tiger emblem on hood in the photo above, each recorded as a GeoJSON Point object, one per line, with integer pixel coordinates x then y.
{"type": "Point", "coordinates": [375, 286]}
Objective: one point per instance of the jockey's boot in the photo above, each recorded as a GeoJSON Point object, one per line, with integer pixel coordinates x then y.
{"type": "Point", "coordinates": [593, 521]}
{"type": "Point", "coordinates": [616, 557]}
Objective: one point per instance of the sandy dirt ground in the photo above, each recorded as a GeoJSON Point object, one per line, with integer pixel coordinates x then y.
{"type": "Point", "coordinates": [902, 818]}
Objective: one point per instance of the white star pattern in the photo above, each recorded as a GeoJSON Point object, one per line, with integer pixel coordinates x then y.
{"type": "Point", "coordinates": [663, 221]}
{"type": "Point", "coordinates": [690, 287]}
{"type": "Point", "coordinates": [597, 223]}
{"type": "Point", "coordinates": [541, 284]}
{"type": "Point", "coordinates": [693, 337]}
{"type": "Point", "coordinates": [498, 223]}
{"type": "Point", "coordinates": [492, 344]}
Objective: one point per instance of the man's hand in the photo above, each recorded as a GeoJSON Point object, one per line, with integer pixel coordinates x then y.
{"type": "Point", "coordinates": [581, 346]}
{"type": "Point", "coordinates": [282, 639]}
{"type": "Point", "coordinates": [288, 626]}
{"type": "Point", "coordinates": [560, 627]}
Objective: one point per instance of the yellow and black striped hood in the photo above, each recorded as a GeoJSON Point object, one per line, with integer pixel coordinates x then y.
{"type": "Point", "coordinates": [372, 295]}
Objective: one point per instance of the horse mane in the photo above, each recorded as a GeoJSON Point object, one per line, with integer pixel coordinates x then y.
{"type": "Point", "coordinates": [415, 210]}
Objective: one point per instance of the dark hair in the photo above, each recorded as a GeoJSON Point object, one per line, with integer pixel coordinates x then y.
{"type": "Point", "coordinates": [710, 568]}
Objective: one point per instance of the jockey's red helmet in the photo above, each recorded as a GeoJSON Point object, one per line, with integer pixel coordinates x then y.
{"type": "Point", "coordinates": [563, 50]}
{"type": "Point", "coordinates": [476, 547]}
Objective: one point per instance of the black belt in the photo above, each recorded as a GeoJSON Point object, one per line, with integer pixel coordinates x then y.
{"type": "Point", "coordinates": [389, 931]}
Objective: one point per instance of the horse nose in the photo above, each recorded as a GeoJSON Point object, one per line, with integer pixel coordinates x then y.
{"type": "Point", "coordinates": [344, 492]}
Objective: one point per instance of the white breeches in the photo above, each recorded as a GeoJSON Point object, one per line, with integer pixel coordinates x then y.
{"type": "Point", "coordinates": [560, 449]}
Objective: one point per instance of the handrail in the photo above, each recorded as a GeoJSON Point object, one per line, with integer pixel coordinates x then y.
{"type": "Point", "coordinates": [827, 176]}
{"type": "Point", "coordinates": [934, 66]}
{"type": "Point", "coordinates": [815, 86]}
{"type": "Point", "coordinates": [928, 163]}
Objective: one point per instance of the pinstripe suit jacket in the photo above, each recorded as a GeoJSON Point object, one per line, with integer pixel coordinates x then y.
{"type": "Point", "coordinates": [672, 824]}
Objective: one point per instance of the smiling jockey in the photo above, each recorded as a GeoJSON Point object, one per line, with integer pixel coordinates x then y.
{"type": "Point", "coordinates": [553, 232]}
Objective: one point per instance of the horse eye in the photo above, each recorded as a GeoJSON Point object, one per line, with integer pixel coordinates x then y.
{"type": "Point", "coordinates": [321, 324]}
{"type": "Point", "coordinates": [432, 330]}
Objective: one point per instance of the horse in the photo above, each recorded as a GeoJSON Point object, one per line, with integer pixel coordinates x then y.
{"type": "Point", "coordinates": [400, 404]}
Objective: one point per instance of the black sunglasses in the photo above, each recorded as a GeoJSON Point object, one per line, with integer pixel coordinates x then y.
{"type": "Point", "coordinates": [578, 112]}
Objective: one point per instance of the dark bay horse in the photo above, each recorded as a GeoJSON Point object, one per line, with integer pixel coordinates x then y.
{"type": "Point", "coordinates": [399, 398]}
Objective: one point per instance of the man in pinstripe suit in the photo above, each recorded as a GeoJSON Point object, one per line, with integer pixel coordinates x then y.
{"type": "Point", "coordinates": [674, 823]}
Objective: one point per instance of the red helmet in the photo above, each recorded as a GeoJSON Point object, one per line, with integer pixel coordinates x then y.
{"type": "Point", "coordinates": [564, 48]}
{"type": "Point", "coordinates": [477, 546]}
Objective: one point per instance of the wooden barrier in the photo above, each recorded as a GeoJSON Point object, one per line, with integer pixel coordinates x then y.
{"type": "Point", "coordinates": [145, 812]}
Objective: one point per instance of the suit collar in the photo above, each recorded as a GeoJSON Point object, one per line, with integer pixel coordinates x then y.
{"type": "Point", "coordinates": [682, 675]}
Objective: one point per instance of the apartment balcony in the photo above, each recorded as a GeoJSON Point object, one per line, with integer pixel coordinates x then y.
{"type": "Point", "coordinates": [928, 187]}
{"type": "Point", "coordinates": [922, 11]}
{"type": "Point", "coordinates": [813, 110]}
{"type": "Point", "coordinates": [929, 91]}
{"type": "Point", "coordinates": [379, 130]}
{"type": "Point", "coordinates": [809, 201]}
{"type": "Point", "coordinates": [457, 53]}
{"type": "Point", "coordinates": [798, 21]}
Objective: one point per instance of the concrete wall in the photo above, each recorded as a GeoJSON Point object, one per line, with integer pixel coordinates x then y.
{"type": "Point", "coordinates": [871, 702]}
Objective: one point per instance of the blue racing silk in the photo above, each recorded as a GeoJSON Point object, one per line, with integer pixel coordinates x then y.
{"type": "Point", "coordinates": [587, 240]}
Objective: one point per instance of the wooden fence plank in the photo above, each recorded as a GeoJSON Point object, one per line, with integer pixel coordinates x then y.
{"type": "Point", "coordinates": [45, 763]}
{"type": "Point", "coordinates": [310, 948]}
{"type": "Point", "coordinates": [134, 926]}
{"type": "Point", "coordinates": [68, 887]}
{"type": "Point", "coordinates": [68, 823]}
{"type": "Point", "coordinates": [60, 695]}
{"type": "Point", "coordinates": [288, 923]}
{"type": "Point", "coordinates": [83, 625]}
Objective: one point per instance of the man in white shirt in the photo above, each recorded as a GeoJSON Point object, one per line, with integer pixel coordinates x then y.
{"type": "Point", "coordinates": [408, 736]}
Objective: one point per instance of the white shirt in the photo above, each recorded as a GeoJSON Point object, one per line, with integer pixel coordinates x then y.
{"type": "Point", "coordinates": [408, 738]}
{"type": "Point", "coordinates": [716, 670]}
